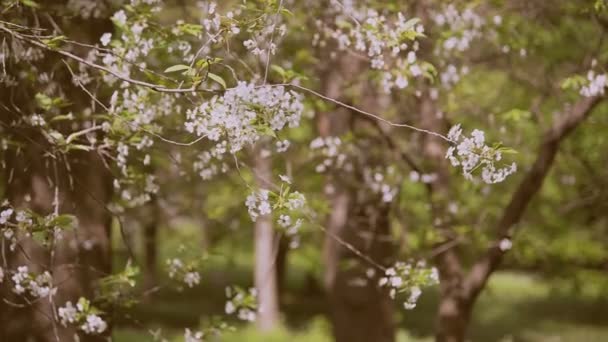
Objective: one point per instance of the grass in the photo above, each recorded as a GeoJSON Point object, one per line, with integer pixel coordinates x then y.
{"type": "Point", "coordinates": [515, 307]}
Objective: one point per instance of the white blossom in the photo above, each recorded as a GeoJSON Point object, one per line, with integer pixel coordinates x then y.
{"type": "Point", "coordinates": [471, 153]}
{"type": "Point", "coordinates": [596, 86]}
{"type": "Point", "coordinates": [231, 117]}
{"type": "Point", "coordinates": [192, 278]}
{"type": "Point", "coordinates": [94, 325]}
{"type": "Point", "coordinates": [67, 313]}
{"type": "Point", "coordinates": [5, 215]}
{"type": "Point", "coordinates": [105, 38]}
{"type": "Point", "coordinates": [258, 204]}
{"type": "Point", "coordinates": [120, 17]}
{"type": "Point", "coordinates": [190, 336]}
{"type": "Point", "coordinates": [505, 244]}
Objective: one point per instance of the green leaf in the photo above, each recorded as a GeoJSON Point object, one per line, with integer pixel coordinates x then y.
{"type": "Point", "coordinates": [178, 67]}
{"type": "Point", "coordinates": [43, 101]}
{"type": "Point", "coordinates": [62, 118]}
{"type": "Point", "coordinates": [516, 115]}
{"type": "Point", "coordinates": [265, 130]}
{"type": "Point", "coordinates": [54, 42]}
{"type": "Point", "coordinates": [573, 82]}
{"type": "Point", "coordinates": [507, 150]}
{"type": "Point", "coordinates": [30, 3]}
{"type": "Point", "coordinates": [84, 303]}
{"type": "Point", "coordinates": [285, 11]}
{"type": "Point", "coordinates": [217, 79]}
{"type": "Point", "coordinates": [63, 221]}
{"type": "Point", "coordinates": [191, 29]}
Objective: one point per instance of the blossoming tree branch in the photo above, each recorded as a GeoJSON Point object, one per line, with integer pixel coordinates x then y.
{"type": "Point", "coordinates": [338, 119]}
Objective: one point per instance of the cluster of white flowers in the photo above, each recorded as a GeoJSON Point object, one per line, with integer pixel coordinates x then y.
{"type": "Point", "coordinates": [88, 8]}
{"type": "Point", "coordinates": [68, 314]}
{"type": "Point", "coordinates": [37, 286]}
{"type": "Point", "coordinates": [5, 215]}
{"type": "Point", "coordinates": [244, 113]}
{"type": "Point", "coordinates": [389, 41]}
{"type": "Point", "coordinates": [241, 302]}
{"type": "Point", "coordinates": [381, 182]}
{"type": "Point", "coordinates": [211, 163]}
{"type": "Point", "coordinates": [295, 201]}
{"type": "Point", "coordinates": [82, 315]}
{"type": "Point", "coordinates": [596, 86]}
{"type": "Point", "coordinates": [178, 270]}
{"type": "Point", "coordinates": [408, 278]}
{"type": "Point", "coordinates": [459, 29]}
{"type": "Point", "coordinates": [451, 74]}
{"type": "Point", "coordinates": [261, 44]}
{"type": "Point", "coordinates": [143, 108]}
{"type": "Point", "coordinates": [329, 149]}
{"type": "Point", "coordinates": [291, 229]}
{"type": "Point", "coordinates": [258, 203]}
{"type": "Point", "coordinates": [464, 27]}
{"type": "Point", "coordinates": [426, 178]}
{"type": "Point", "coordinates": [93, 325]}
{"type": "Point", "coordinates": [192, 278]}
{"type": "Point", "coordinates": [193, 336]}
{"type": "Point", "coordinates": [471, 153]}
{"type": "Point", "coordinates": [22, 218]}
{"type": "Point", "coordinates": [36, 120]}
{"type": "Point", "coordinates": [282, 145]}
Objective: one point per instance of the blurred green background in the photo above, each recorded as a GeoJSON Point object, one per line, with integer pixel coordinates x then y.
{"type": "Point", "coordinates": [517, 306]}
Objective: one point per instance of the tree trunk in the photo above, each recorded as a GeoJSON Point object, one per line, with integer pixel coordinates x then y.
{"type": "Point", "coordinates": [281, 265]}
{"type": "Point", "coordinates": [360, 310]}
{"type": "Point", "coordinates": [453, 317]}
{"type": "Point", "coordinates": [151, 254]}
{"type": "Point", "coordinates": [265, 268]}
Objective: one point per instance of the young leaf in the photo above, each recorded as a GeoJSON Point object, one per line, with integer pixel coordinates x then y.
{"type": "Point", "coordinates": [178, 67]}
{"type": "Point", "coordinates": [217, 79]}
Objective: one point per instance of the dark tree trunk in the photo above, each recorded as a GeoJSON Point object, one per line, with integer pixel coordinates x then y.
{"type": "Point", "coordinates": [281, 265]}
{"type": "Point", "coordinates": [453, 317]}
{"type": "Point", "coordinates": [151, 253]}
{"type": "Point", "coordinates": [150, 216]}
{"type": "Point", "coordinates": [360, 310]}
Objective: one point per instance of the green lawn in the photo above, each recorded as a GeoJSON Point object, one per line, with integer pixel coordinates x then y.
{"type": "Point", "coordinates": [515, 307]}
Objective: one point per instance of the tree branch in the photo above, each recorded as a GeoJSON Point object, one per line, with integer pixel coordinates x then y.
{"type": "Point", "coordinates": [527, 189]}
